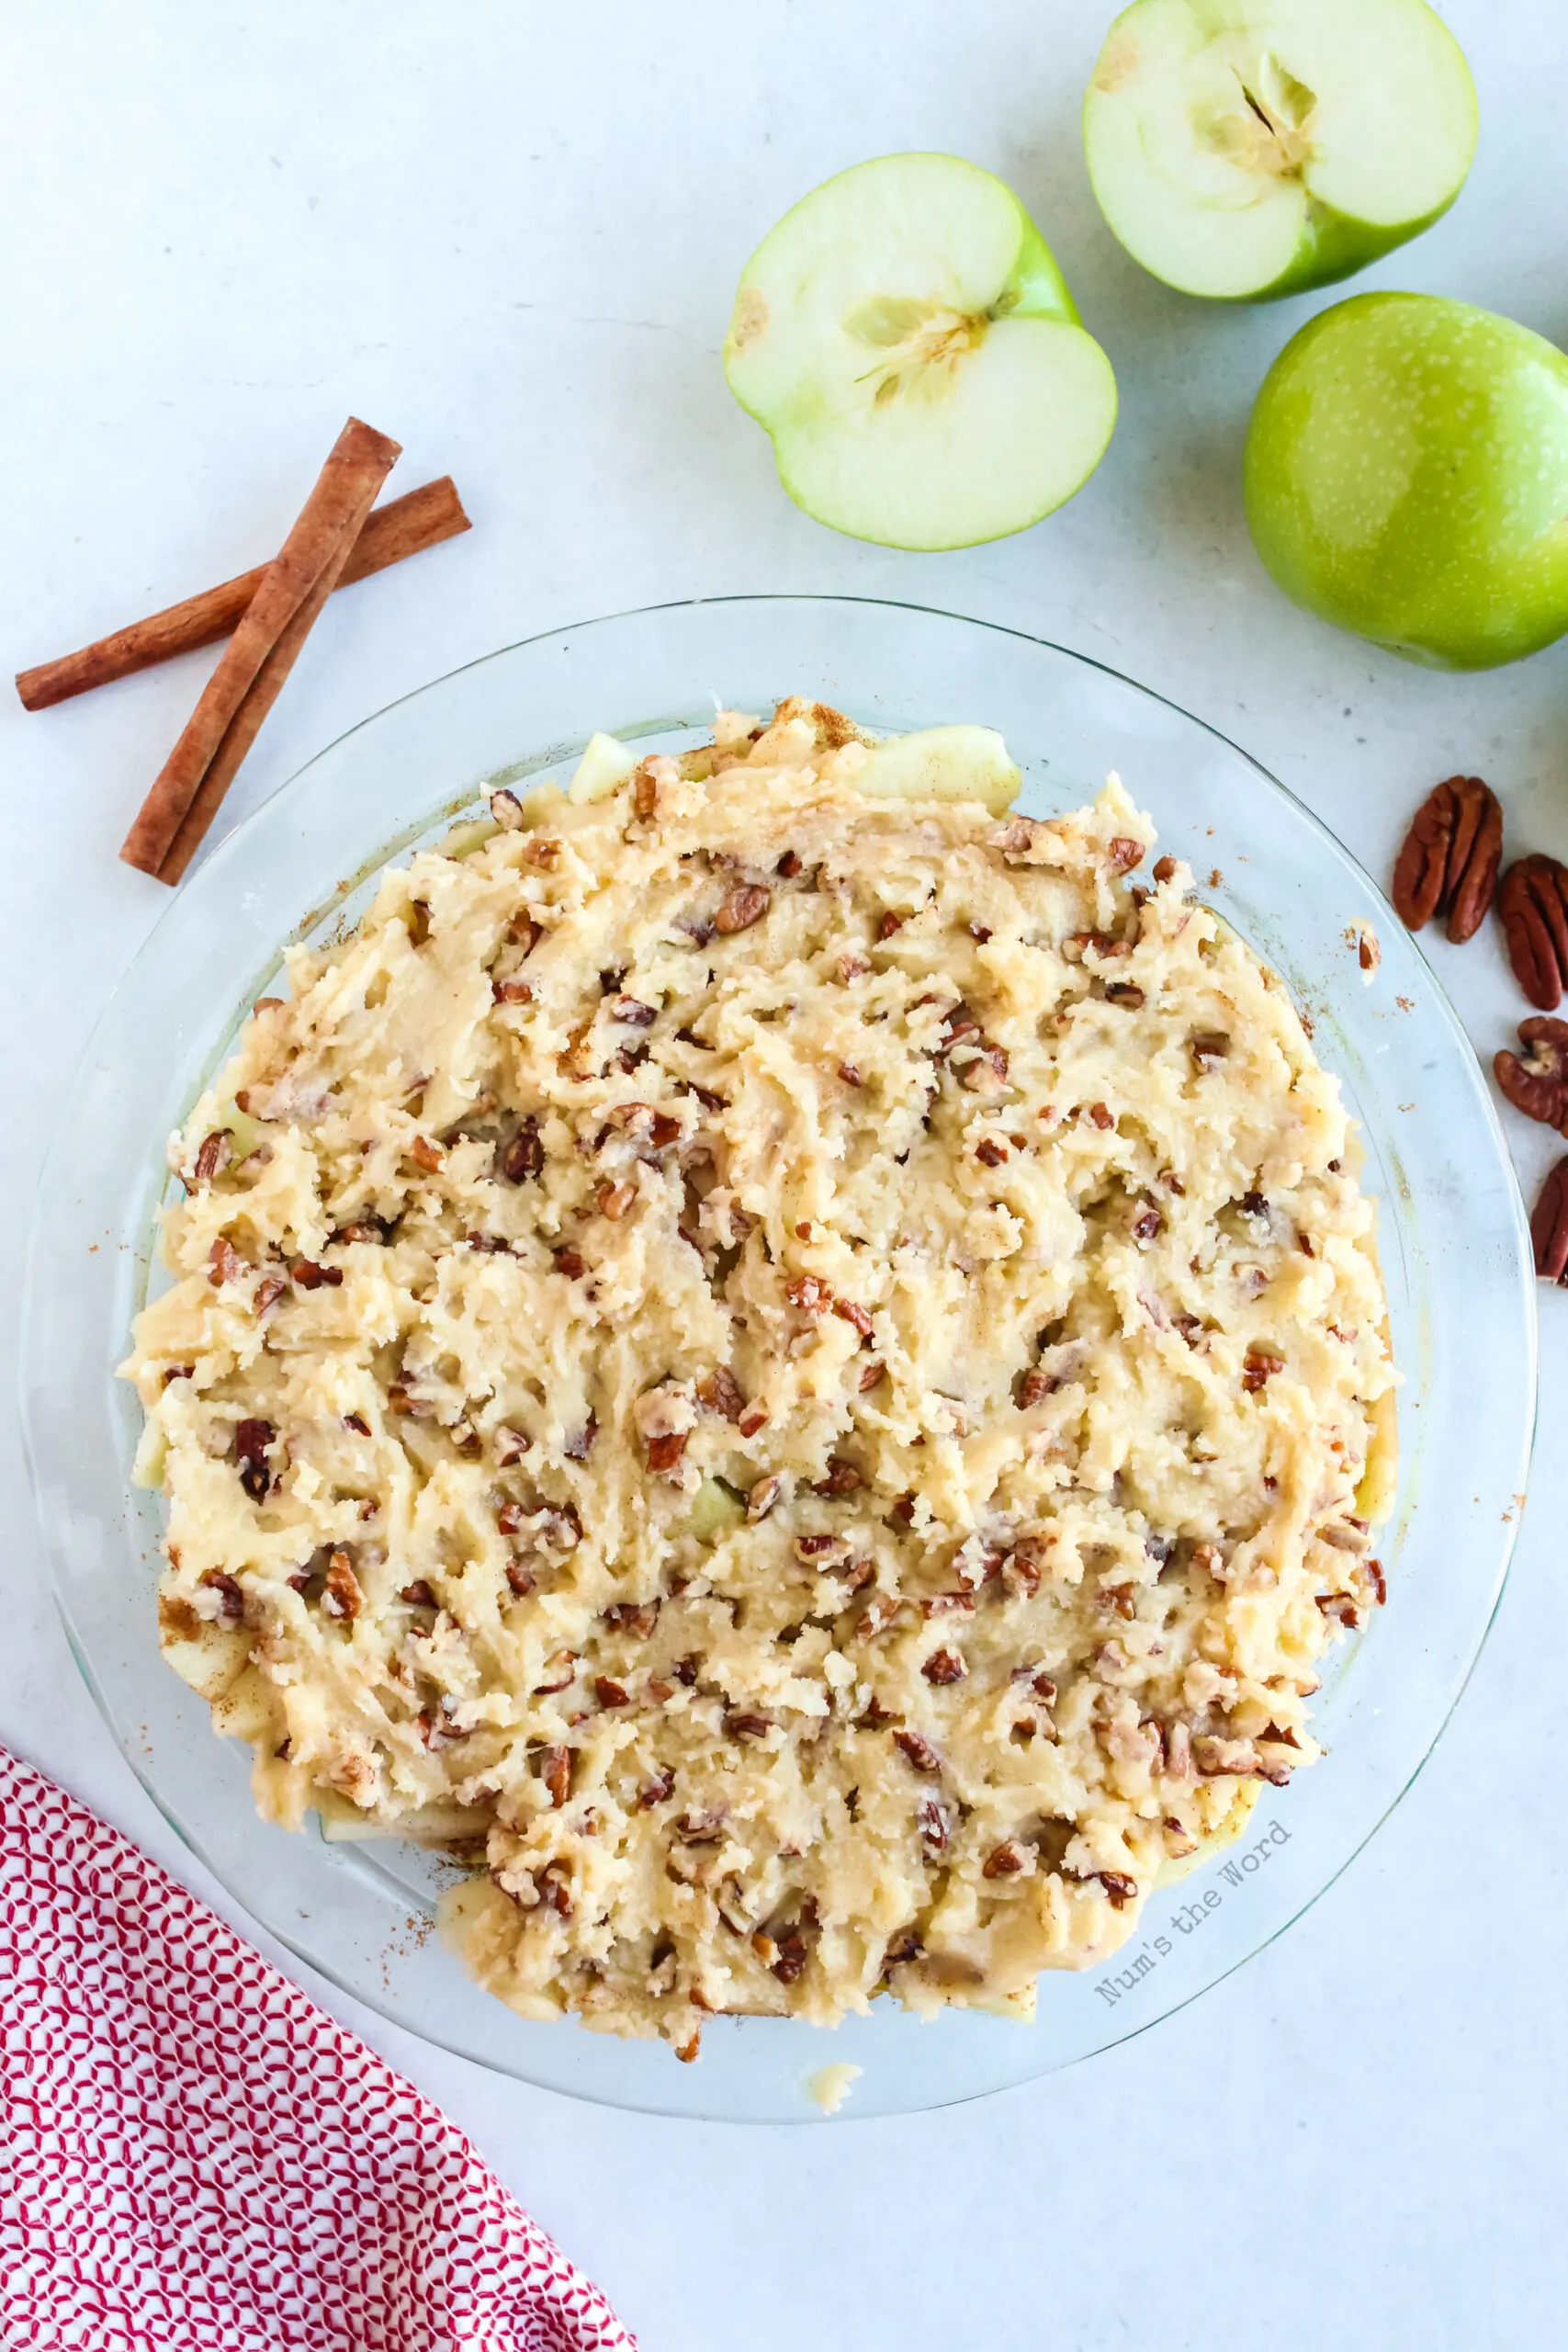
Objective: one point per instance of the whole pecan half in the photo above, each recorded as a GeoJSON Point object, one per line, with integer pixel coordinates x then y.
{"type": "Point", "coordinates": [1448, 864]}
{"type": "Point", "coordinates": [1548, 1227]}
{"type": "Point", "coordinates": [1537, 1081]}
{"type": "Point", "coordinates": [1533, 904]}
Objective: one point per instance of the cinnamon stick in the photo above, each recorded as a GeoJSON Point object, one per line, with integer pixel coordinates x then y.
{"type": "Point", "coordinates": [404, 526]}
{"type": "Point", "coordinates": [262, 652]}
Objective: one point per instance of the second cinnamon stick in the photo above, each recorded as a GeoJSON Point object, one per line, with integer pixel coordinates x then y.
{"type": "Point", "coordinates": [404, 526]}
{"type": "Point", "coordinates": [317, 549]}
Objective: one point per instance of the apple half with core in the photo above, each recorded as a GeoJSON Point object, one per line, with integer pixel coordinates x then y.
{"type": "Point", "coordinates": [1406, 476]}
{"type": "Point", "coordinates": [1244, 149]}
{"type": "Point", "coordinates": [907, 340]}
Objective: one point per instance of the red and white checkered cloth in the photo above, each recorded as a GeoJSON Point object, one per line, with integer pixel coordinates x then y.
{"type": "Point", "coordinates": [194, 2158]}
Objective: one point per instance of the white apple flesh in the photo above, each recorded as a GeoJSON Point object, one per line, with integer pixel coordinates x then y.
{"type": "Point", "coordinates": [907, 340]}
{"type": "Point", "coordinates": [1245, 149]}
{"type": "Point", "coordinates": [940, 764]}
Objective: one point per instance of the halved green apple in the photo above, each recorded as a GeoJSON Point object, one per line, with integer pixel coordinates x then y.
{"type": "Point", "coordinates": [1245, 149]}
{"type": "Point", "coordinates": [907, 340]}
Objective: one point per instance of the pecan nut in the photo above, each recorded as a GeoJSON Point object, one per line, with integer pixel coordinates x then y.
{"type": "Point", "coordinates": [1533, 904]}
{"type": "Point", "coordinates": [1448, 864]}
{"type": "Point", "coordinates": [1537, 1081]}
{"type": "Point", "coordinates": [1548, 1227]}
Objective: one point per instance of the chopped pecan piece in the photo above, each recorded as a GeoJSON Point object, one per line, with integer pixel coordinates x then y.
{"type": "Point", "coordinates": [1005, 1861]}
{"type": "Point", "coordinates": [1537, 1083]}
{"type": "Point", "coordinates": [872, 1375]}
{"type": "Point", "coordinates": [555, 1773]}
{"type": "Point", "coordinates": [745, 905]}
{"type": "Point", "coordinates": [230, 1599]}
{"type": "Point", "coordinates": [809, 1293]}
{"type": "Point", "coordinates": [552, 1884]}
{"type": "Point", "coordinates": [1260, 1365]}
{"type": "Point", "coordinates": [639, 1617]}
{"type": "Point", "coordinates": [722, 1393]}
{"type": "Point", "coordinates": [762, 1498]}
{"type": "Point", "coordinates": [252, 1439]}
{"type": "Point", "coordinates": [419, 1595]}
{"type": "Point", "coordinates": [1549, 1226]}
{"type": "Point", "coordinates": [990, 1151]}
{"type": "Point", "coordinates": [742, 1723]}
{"type": "Point", "coordinates": [217, 1150]}
{"type": "Point", "coordinates": [524, 1155]}
{"type": "Point", "coordinates": [571, 1264]}
{"type": "Point", "coordinates": [1216, 1757]}
{"type": "Point", "coordinates": [507, 810]}
{"type": "Point", "coordinates": [842, 1478]}
{"type": "Point", "coordinates": [1036, 1386]}
{"type": "Point", "coordinates": [821, 1550]}
{"type": "Point", "coordinates": [1450, 860]}
{"type": "Point", "coordinates": [427, 1155]}
{"type": "Point", "coordinates": [919, 1750]}
{"type": "Point", "coordinates": [1120, 1887]}
{"type": "Point", "coordinates": [1208, 1047]}
{"type": "Point", "coordinates": [788, 865]}
{"type": "Point", "coordinates": [1164, 869]}
{"type": "Point", "coordinates": [944, 1666]}
{"type": "Point", "coordinates": [849, 1074]}
{"type": "Point", "coordinates": [614, 1200]}
{"type": "Point", "coordinates": [790, 1965]}
{"type": "Point", "coordinates": [699, 1828]}
{"type": "Point", "coordinates": [856, 1316]}
{"type": "Point", "coordinates": [1020, 835]}
{"type": "Point", "coordinates": [510, 1445]}
{"type": "Point", "coordinates": [1101, 1115]}
{"type": "Point", "coordinates": [1147, 1224]}
{"type": "Point", "coordinates": [578, 1447]}
{"type": "Point", "coordinates": [754, 1418]}
{"type": "Point", "coordinates": [889, 923]}
{"type": "Point", "coordinates": [1122, 853]}
{"type": "Point", "coordinates": [308, 1276]}
{"type": "Point", "coordinates": [931, 1820]}
{"type": "Point", "coordinates": [608, 1692]}
{"type": "Point", "coordinates": [521, 1580]}
{"type": "Point", "coordinates": [633, 1012]}
{"type": "Point", "coordinates": [1533, 904]}
{"type": "Point", "coordinates": [225, 1264]}
{"type": "Point", "coordinates": [269, 1290]}
{"type": "Point", "coordinates": [344, 1596]}
{"type": "Point", "coordinates": [513, 992]}
{"type": "Point", "coordinates": [986, 1073]}
{"type": "Point", "coordinates": [664, 1453]}
{"type": "Point", "coordinates": [877, 1615]}
{"type": "Point", "coordinates": [654, 1791]}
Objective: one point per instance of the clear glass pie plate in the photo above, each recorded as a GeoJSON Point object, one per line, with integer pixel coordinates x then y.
{"type": "Point", "coordinates": [1452, 1235]}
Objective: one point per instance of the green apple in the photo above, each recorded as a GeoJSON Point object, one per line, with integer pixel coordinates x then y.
{"type": "Point", "coordinates": [907, 340]}
{"type": "Point", "coordinates": [1244, 149]}
{"type": "Point", "coordinates": [941, 764]}
{"type": "Point", "coordinates": [1406, 477]}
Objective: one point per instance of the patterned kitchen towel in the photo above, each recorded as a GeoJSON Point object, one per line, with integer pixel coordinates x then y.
{"type": "Point", "coordinates": [194, 2158]}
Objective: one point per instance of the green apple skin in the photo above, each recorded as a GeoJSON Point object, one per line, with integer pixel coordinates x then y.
{"type": "Point", "coordinates": [1406, 477]}
{"type": "Point", "coordinates": [1331, 242]}
{"type": "Point", "coordinates": [807, 408]}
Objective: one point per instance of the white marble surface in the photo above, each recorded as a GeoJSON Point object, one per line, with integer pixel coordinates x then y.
{"type": "Point", "coordinates": [508, 232]}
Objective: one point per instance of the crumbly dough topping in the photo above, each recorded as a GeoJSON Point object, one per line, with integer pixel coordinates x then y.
{"type": "Point", "coordinates": [797, 1373]}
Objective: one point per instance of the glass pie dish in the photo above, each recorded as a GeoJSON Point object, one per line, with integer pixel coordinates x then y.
{"type": "Point", "coordinates": [1452, 1237]}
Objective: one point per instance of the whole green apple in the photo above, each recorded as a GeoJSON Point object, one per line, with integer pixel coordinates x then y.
{"type": "Point", "coordinates": [1406, 476]}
